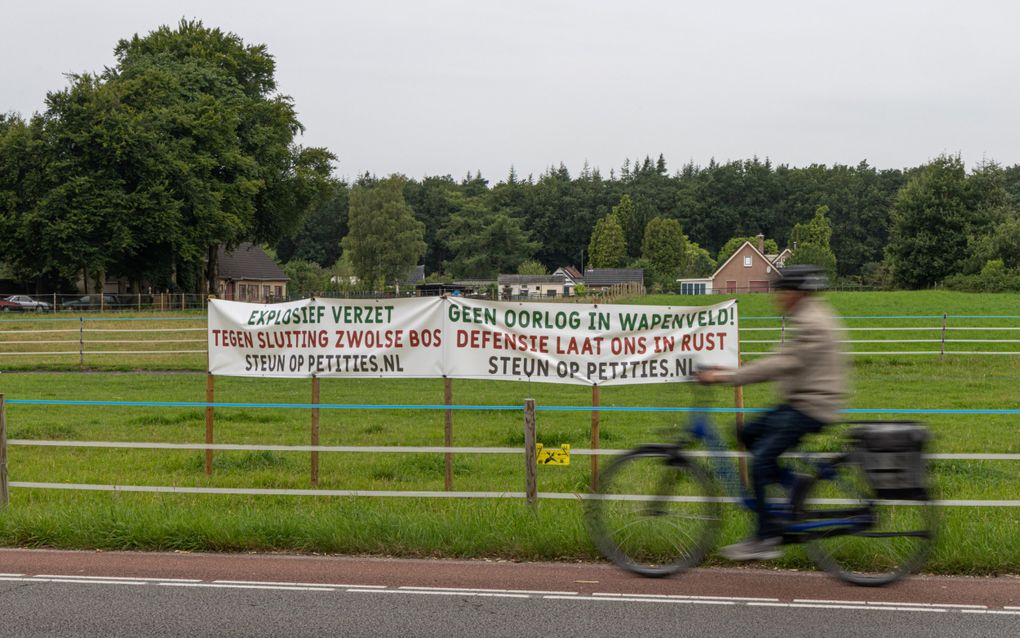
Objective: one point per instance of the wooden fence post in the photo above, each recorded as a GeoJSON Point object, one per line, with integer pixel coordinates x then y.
{"type": "Point", "coordinates": [945, 318]}
{"type": "Point", "coordinates": [596, 401]}
{"type": "Point", "coordinates": [448, 431]}
{"type": "Point", "coordinates": [530, 453]}
{"type": "Point", "coordinates": [315, 429]}
{"type": "Point", "coordinates": [209, 399]}
{"type": "Point", "coordinates": [4, 494]}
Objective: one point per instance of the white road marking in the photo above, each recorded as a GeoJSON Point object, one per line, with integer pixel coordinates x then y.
{"type": "Point", "coordinates": [270, 582]}
{"type": "Point", "coordinates": [989, 611]}
{"type": "Point", "coordinates": [131, 578]}
{"type": "Point", "coordinates": [433, 592]}
{"type": "Point", "coordinates": [805, 605]}
{"type": "Point", "coordinates": [497, 591]}
{"type": "Point", "coordinates": [78, 581]}
{"type": "Point", "coordinates": [519, 593]}
{"type": "Point", "coordinates": [225, 586]}
{"type": "Point", "coordinates": [930, 605]}
{"type": "Point", "coordinates": [645, 599]}
{"type": "Point", "coordinates": [733, 598]}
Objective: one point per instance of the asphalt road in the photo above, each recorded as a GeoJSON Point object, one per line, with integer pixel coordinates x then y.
{"type": "Point", "coordinates": [45, 593]}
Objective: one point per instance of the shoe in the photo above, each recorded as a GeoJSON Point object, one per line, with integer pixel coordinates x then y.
{"type": "Point", "coordinates": [754, 549]}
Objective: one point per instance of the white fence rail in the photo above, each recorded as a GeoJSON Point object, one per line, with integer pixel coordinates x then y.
{"type": "Point", "coordinates": [93, 336]}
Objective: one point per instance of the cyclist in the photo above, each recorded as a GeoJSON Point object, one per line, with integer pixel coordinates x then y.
{"type": "Point", "coordinates": [810, 369]}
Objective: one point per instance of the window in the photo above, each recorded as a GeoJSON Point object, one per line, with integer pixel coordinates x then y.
{"type": "Point", "coordinates": [747, 261]}
{"type": "Point", "coordinates": [279, 292]}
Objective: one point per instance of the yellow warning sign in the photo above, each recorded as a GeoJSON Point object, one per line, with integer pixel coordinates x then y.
{"type": "Point", "coordinates": [552, 456]}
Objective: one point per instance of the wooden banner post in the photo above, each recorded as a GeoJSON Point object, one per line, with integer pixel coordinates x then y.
{"type": "Point", "coordinates": [448, 431]}
{"type": "Point", "coordinates": [530, 453]}
{"type": "Point", "coordinates": [210, 395]}
{"type": "Point", "coordinates": [596, 401]}
{"type": "Point", "coordinates": [5, 498]}
{"type": "Point", "coordinates": [315, 429]}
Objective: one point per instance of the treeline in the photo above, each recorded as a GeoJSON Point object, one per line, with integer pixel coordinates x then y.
{"type": "Point", "coordinates": [144, 170]}
{"type": "Point", "coordinates": [913, 228]}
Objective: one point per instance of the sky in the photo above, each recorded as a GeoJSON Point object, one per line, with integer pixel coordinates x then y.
{"type": "Point", "coordinates": [456, 86]}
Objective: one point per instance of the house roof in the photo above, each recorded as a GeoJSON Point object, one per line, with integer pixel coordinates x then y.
{"type": "Point", "coordinates": [767, 259]}
{"type": "Point", "coordinates": [570, 272]}
{"type": "Point", "coordinates": [248, 261]}
{"type": "Point", "coordinates": [610, 276]}
{"type": "Point", "coordinates": [510, 280]}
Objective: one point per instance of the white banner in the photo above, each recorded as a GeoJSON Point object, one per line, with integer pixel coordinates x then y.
{"type": "Point", "coordinates": [469, 339]}
{"type": "Point", "coordinates": [327, 338]}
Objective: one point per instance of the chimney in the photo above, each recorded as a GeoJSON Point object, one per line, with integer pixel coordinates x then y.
{"type": "Point", "coordinates": [761, 243]}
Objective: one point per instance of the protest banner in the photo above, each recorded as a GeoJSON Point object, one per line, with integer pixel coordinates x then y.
{"type": "Point", "coordinates": [471, 339]}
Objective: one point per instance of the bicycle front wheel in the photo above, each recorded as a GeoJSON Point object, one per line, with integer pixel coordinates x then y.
{"type": "Point", "coordinates": [655, 513]}
{"type": "Point", "coordinates": [863, 537]}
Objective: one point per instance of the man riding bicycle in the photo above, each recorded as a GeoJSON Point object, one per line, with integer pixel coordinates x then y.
{"type": "Point", "coordinates": [811, 372]}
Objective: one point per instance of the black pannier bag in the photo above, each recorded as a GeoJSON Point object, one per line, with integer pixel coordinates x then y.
{"type": "Point", "coordinates": [891, 453]}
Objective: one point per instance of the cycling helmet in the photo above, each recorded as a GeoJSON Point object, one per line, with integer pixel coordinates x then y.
{"type": "Point", "coordinates": [804, 277]}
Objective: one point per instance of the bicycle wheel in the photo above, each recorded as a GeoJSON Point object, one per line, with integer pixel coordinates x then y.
{"type": "Point", "coordinates": [653, 514]}
{"type": "Point", "coordinates": [860, 537]}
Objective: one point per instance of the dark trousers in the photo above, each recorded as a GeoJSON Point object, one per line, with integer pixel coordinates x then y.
{"type": "Point", "coordinates": [766, 438]}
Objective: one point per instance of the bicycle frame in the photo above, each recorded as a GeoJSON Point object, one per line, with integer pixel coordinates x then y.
{"type": "Point", "coordinates": [846, 521]}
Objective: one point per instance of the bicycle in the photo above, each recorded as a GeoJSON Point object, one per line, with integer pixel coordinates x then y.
{"type": "Point", "coordinates": [866, 514]}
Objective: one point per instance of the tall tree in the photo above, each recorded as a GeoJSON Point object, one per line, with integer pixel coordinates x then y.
{"type": "Point", "coordinates": [665, 248]}
{"type": "Point", "coordinates": [227, 137]}
{"type": "Point", "coordinates": [484, 243]}
{"type": "Point", "coordinates": [810, 243]}
{"type": "Point", "coordinates": [930, 223]}
{"type": "Point", "coordinates": [607, 248]}
{"type": "Point", "coordinates": [385, 240]}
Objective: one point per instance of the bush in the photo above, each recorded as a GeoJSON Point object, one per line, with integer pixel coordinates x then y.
{"type": "Point", "coordinates": [994, 277]}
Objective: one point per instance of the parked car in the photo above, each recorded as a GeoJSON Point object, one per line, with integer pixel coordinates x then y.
{"type": "Point", "coordinates": [24, 302]}
{"type": "Point", "coordinates": [93, 302]}
{"type": "Point", "coordinates": [7, 306]}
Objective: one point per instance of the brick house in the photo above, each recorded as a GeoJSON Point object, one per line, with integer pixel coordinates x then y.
{"type": "Point", "coordinates": [246, 273]}
{"type": "Point", "coordinates": [749, 269]}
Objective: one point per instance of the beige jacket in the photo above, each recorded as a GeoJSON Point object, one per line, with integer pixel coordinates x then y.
{"type": "Point", "coordinates": [810, 365]}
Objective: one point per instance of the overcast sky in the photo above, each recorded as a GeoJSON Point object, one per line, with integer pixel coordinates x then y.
{"type": "Point", "coordinates": [429, 88]}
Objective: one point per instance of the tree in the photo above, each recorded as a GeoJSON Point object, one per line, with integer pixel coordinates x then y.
{"type": "Point", "coordinates": [484, 243]}
{"type": "Point", "coordinates": [817, 231]}
{"type": "Point", "coordinates": [632, 219]}
{"type": "Point", "coordinates": [307, 278]}
{"type": "Point", "coordinates": [665, 249]}
{"type": "Point", "coordinates": [189, 144]}
{"type": "Point", "coordinates": [810, 243]}
{"type": "Point", "coordinates": [928, 239]}
{"type": "Point", "coordinates": [699, 262]}
{"type": "Point", "coordinates": [385, 240]}
{"type": "Point", "coordinates": [607, 248]}
{"type": "Point", "coordinates": [323, 228]}
{"type": "Point", "coordinates": [531, 267]}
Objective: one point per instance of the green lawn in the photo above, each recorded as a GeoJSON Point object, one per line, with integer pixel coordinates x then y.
{"type": "Point", "coordinates": [974, 540]}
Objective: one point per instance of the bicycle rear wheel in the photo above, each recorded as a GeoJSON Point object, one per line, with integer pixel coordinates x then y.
{"type": "Point", "coordinates": [862, 537]}
{"type": "Point", "coordinates": [654, 513]}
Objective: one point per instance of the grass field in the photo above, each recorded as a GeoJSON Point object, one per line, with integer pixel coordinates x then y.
{"type": "Point", "coordinates": [974, 540]}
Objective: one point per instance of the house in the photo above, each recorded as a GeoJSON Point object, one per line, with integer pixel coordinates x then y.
{"type": "Point", "coordinates": [749, 269]}
{"type": "Point", "coordinates": [246, 273]}
{"type": "Point", "coordinates": [572, 277]}
{"type": "Point", "coordinates": [523, 286]}
{"type": "Point", "coordinates": [603, 279]}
